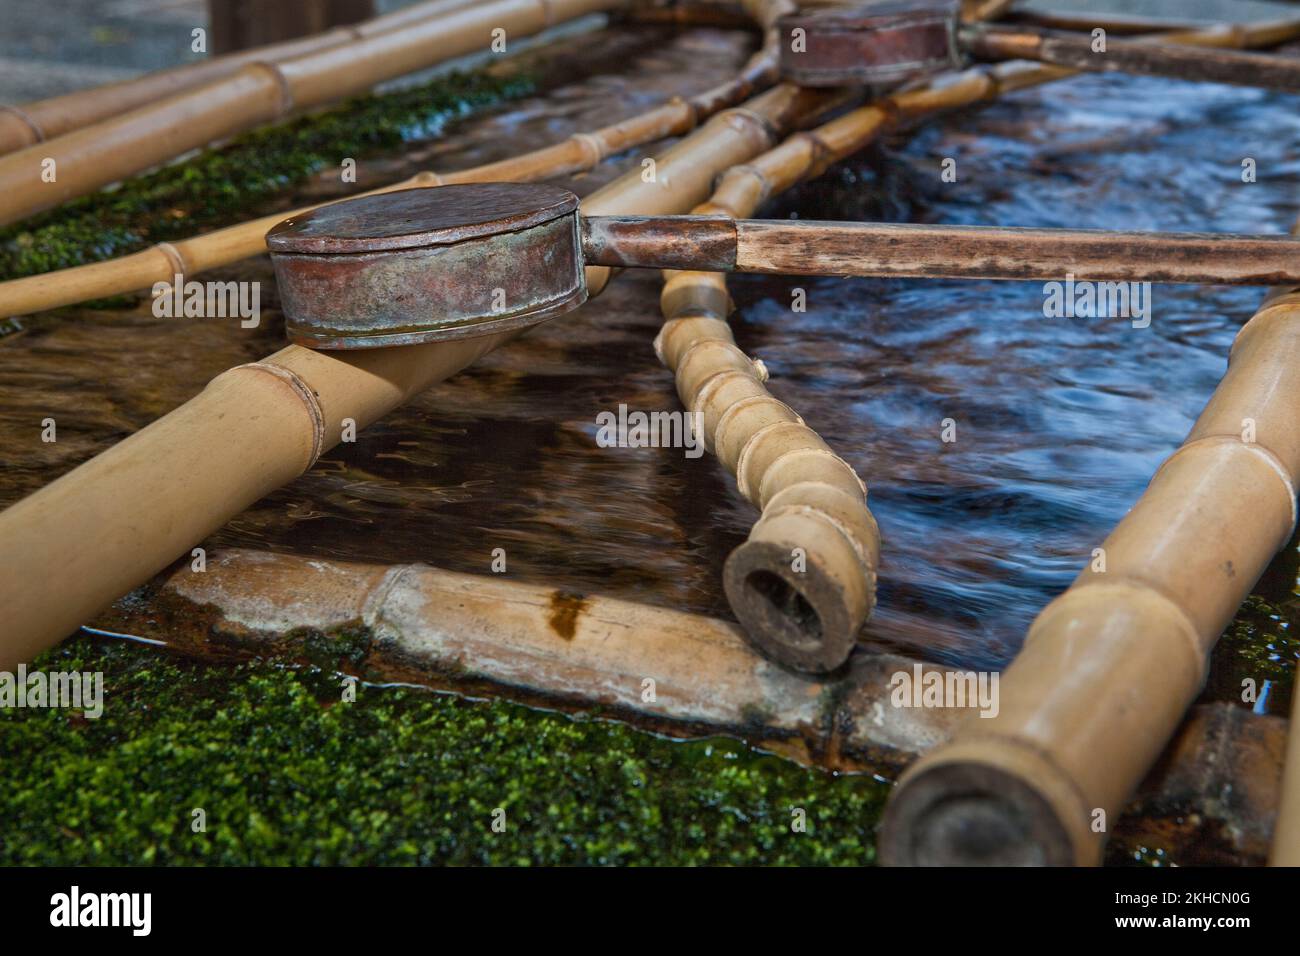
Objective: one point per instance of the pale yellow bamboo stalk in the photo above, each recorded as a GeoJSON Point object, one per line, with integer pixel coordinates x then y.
{"type": "Point", "coordinates": [118, 519]}
{"type": "Point", "coordinates": [186, 257]}
{"type": "Point", "coordinates": [1109, 668]}
{"type": "Point", "coordinates": [118, 147]}
{"type": "Point", "coordinates": [1286, 831]}
{"type": "Point", "coordinates": [43, 120]}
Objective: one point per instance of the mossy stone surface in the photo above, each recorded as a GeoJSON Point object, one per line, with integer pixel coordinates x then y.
{"type": "Point", "coordinates": [287, 772]}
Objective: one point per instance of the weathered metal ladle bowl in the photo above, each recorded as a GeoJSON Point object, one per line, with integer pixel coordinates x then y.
{"type": "Point", "coordinates": [425, 265]}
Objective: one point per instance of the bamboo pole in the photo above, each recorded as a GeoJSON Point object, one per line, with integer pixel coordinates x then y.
{"type": "Point", "coordinates": [1109, 668]}
{"type": "Point", "coordinates": [256, 93]}
{"type": "Point", "coordinates": [975, 10]}
{"type": "Point", "coordinates": [118, 519]}
{"type": "Point", "coordinates": [1286, 831]}
{"type": "Point", "coordinates": [43, 120]}
{"type": "Point", "coordinates": [577, 153]}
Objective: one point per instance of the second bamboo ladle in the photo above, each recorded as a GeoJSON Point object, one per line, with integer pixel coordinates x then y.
{"type": "Point", "coordinates": [887, 42]}
{"type": "Point", "coordinates": [447, 262]}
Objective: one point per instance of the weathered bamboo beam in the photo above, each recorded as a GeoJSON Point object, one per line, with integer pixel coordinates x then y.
{"type": "Point", "coordinates": [577, 153]}
{"type": "Point", "coordinates": [550, 646]}
{"type": "Point", "coordinates": [42, 120]}
{"type": "Point", "coordinates": [259, 92]}
{"type": "Point", "coordinates": [1109, 667]}
{"type": "Point", "coordinates": [807, 247]}
{"type": "Point", "coordinates": [118, 519]}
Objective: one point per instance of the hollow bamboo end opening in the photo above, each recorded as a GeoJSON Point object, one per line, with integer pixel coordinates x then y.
{"type": "Point", "coordinates": [967, 812]}
{"type": "Point", "coordinates": [806, 620]}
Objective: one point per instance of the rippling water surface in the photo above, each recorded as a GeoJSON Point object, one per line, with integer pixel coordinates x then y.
{"type": "Point", "coordinates": [1059, 423]}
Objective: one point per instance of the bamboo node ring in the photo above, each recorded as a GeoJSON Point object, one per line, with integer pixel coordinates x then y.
{"type": "Point", "coordinates": [596, 148]}
{"type": "Point", "coordinates": [286, 91]}
{"type": "Point", "coordinates": [310, 402]}
{"type": "Point", "coordinates": [740, 117]}
{"type": "Point", "coordinates": [28, 121]}
{"type": "Point", "coordinates": [1271, 458]}
{"type": "Point", "coordinates": [180, 269]}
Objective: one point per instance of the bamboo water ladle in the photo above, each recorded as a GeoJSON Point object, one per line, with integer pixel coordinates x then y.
{"type": "Point", "coordinates": [886, 42]}
{"type": "Point", "coordinates": [450, 262]}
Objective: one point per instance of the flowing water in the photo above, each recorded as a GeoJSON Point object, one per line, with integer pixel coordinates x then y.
{"type": "Point", "coordinates": [1059, 423]}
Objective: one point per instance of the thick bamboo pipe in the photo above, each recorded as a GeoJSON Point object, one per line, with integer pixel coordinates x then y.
{"type": "Point", "coordinates": [259, 92]}
{"type": "Point", "coordinates": [1286, 831]}
{"type": "Point", "coordinates": [578, 153]}
{"type": "Point", "coordinates": [42, 120]}
{"type": "Point", "coordinates": [1109, 668]}
{"type": "Point", "coordinates": [118, 519]}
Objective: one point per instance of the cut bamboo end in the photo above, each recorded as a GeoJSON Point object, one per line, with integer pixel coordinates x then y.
{"type": "Point", "coordinates": [1058, 766]}
{"type": "Point", "coordinates": [797, 587]}
{"type": "Point", "coordinates": [968, 810]}
{"type": "Point", "coordinates": [804, 582]}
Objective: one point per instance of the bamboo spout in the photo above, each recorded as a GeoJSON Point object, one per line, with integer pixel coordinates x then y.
{"type": "Point", "coordinates": [1110, 666]}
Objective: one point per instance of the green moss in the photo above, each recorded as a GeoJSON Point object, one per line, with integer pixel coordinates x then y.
{"type": "Point", "coordinates": [223, 185]}
{"type": "Point", "coordinates": [1259, 645]}
{"type": "Point", "coordinates": [346, 647]}
{"type": "Point", "coordinates": [286, 773]}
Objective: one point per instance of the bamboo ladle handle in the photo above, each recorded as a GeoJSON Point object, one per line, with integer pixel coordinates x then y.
{"type": "Point", "coordinates": [449, 262]}
{"type": "Point", "coordinates": [802, 247]}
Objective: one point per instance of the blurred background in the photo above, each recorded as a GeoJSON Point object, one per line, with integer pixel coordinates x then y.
{"type": "Point", "coordinates": [49, 47]}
